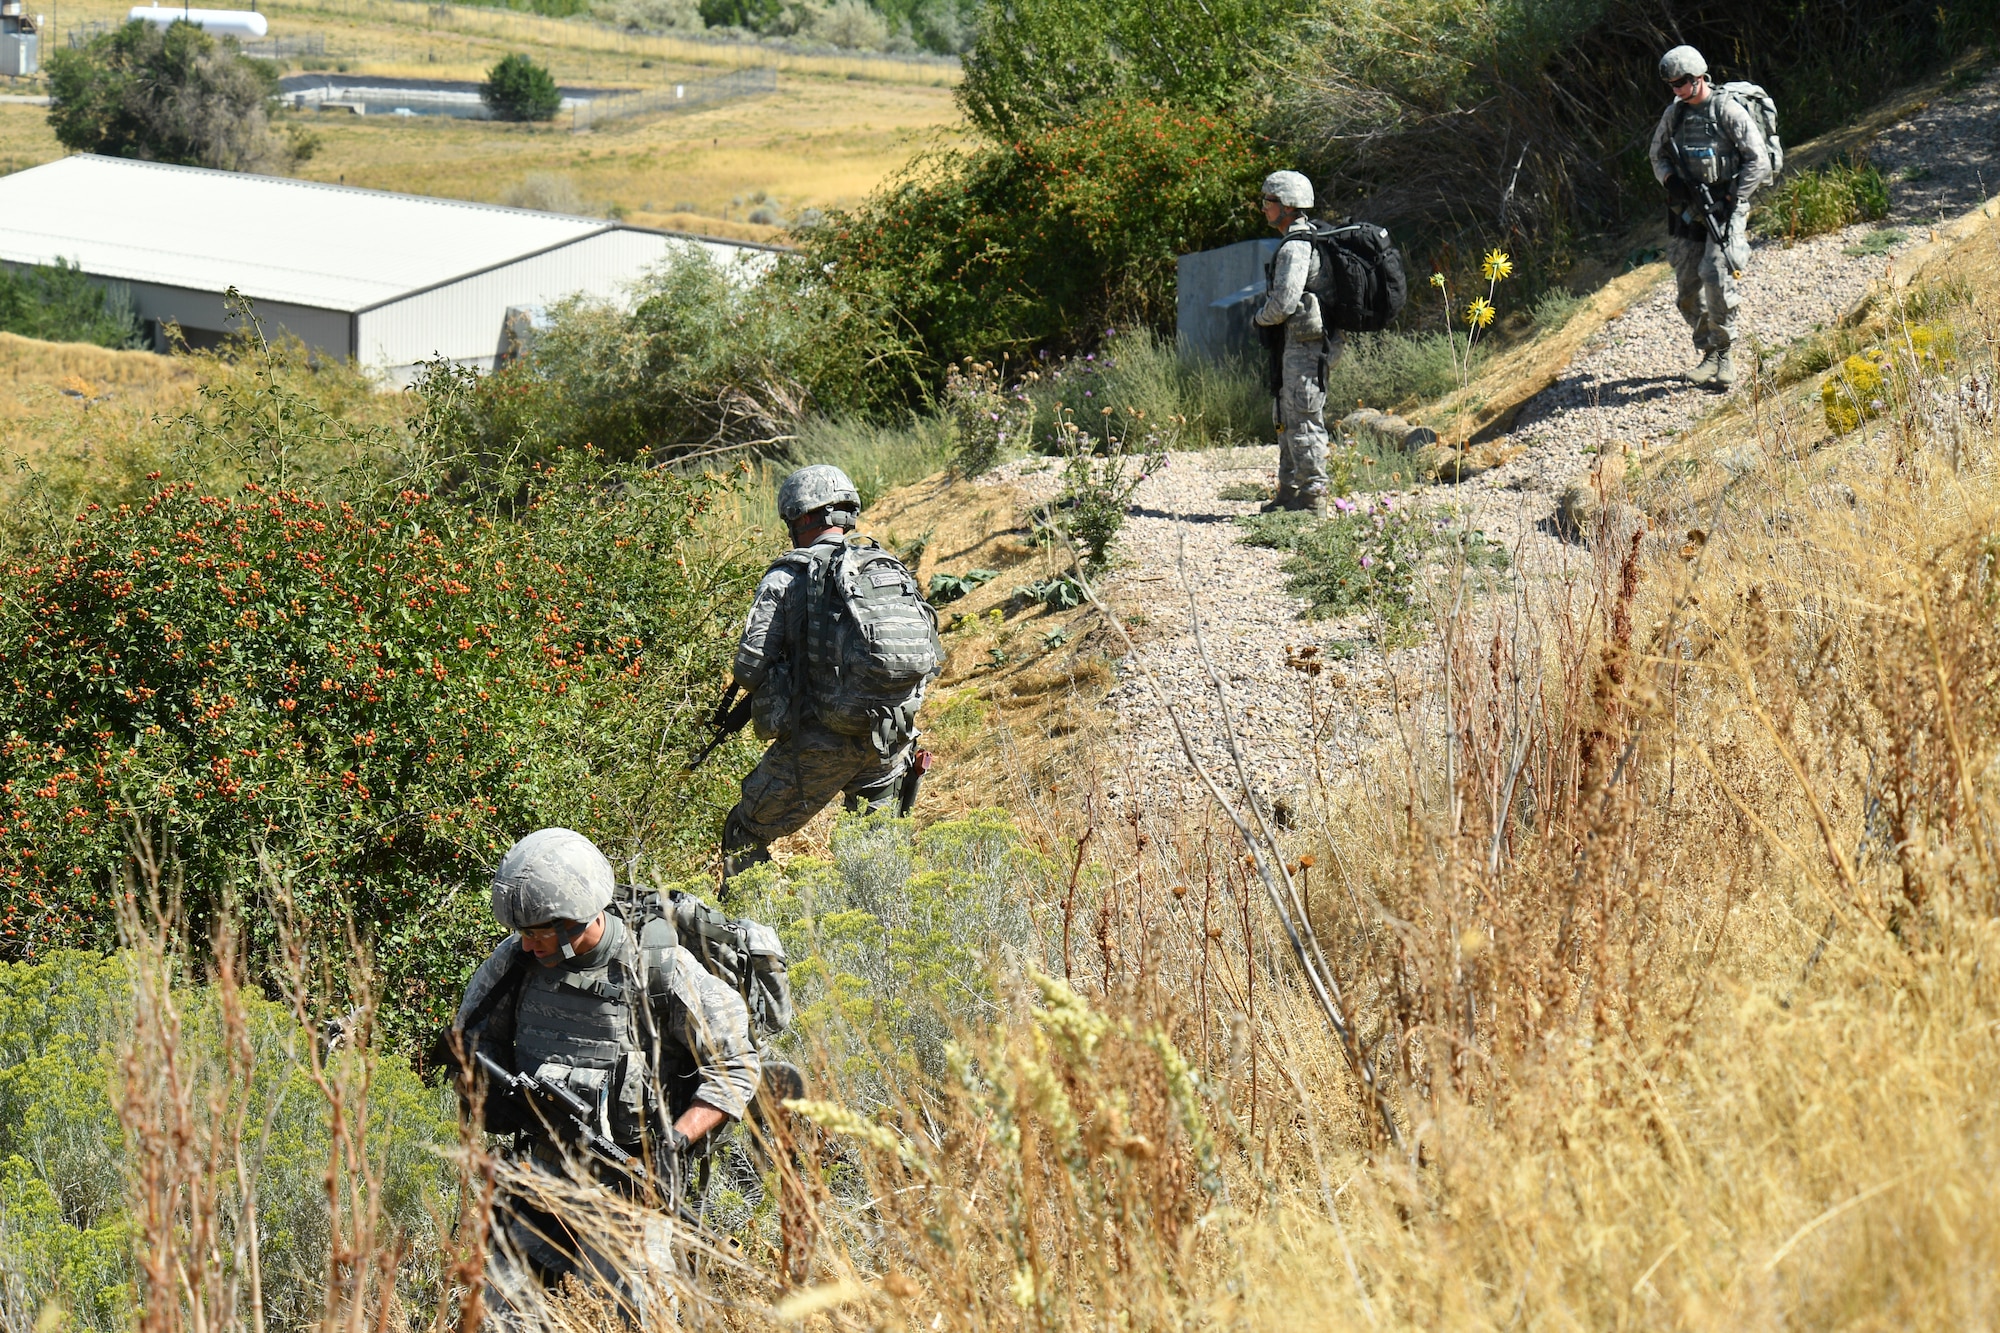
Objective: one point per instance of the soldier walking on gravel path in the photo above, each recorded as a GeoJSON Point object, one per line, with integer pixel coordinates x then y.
{"type": "Point", "coordinates": [837, 650]}
{"type": "Point", "coordinates": [1291, 325]}
{"type": "Point", "coordinates": [1710, 153]}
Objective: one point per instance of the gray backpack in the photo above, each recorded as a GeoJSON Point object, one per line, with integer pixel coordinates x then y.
{"type": "Point", "coordinates": [871, 641]}
{"type": "Point", "coordinates": [1763, 114]}
{"type": "Point", "coordinates": [742, 954]}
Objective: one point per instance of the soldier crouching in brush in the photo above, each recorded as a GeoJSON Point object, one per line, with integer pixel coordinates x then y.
{"type": "Point", "coordinates": [607, 1049]}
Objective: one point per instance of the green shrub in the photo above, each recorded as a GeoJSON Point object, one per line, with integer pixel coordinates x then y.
{"type": "Point", "coordinates": [518, 89]}
{"type": "Point", "coordinates": [1043, 242]}
{"type": "Point", "coordinates": [382, 691]}
{"type": "Point", "coordinates": [1810, 203]}
{"type": "Point", "coordinates": [702, 362]}
{"type": "Point", "coordinates": [64, 1232]}
{"type": "Point", "coordinates": [1048, 62]}
{"type": "Point", "coordinates": [172, 94]}
{"type": "Point", "coordinates": [1386, 370]}
{"type": "Point", "coordinates": [1175, 401]}
{"type": "Point", "coordinates": [59, 303]}
{"type": "Point", "coordinates": [1366, 556]}
{"type": "Point", "coordinates": [989, 417]}
{"type": "Point", "coordinates": [896, 940]}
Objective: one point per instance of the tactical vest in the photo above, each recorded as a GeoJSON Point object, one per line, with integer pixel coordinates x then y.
{"type": "Point", "coordinates": [594, 1027]}
{"type": "Point", "coordinates": [1707, 154]}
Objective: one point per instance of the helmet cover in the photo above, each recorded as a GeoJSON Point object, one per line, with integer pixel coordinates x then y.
{"type": "Point", "coordinates": [553, 874]}
{"type": "Point", "coordinates": [816, 487]}
{"type": "Point", "coordinates": [1682, 62]}
{"type": "Point", "coordinates": [1289, 188]}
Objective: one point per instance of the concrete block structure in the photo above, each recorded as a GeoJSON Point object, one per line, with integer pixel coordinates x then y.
{"type": "Point", "coordinates": [1217, 292]}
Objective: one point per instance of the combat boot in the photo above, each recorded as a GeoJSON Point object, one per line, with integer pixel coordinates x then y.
{"type": "Point", "coordinates": [1704, 373]}
{"type": "Point", "coordinates": [1281, 499]}
{"type": "Point", "coordinates": [1312, 500]}
{"type": "Point", "coordinates": [1725, 371]}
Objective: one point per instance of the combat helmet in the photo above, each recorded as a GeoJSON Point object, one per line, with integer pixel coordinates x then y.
{"type": "Point", "coordinates": [821, 486]}
{"type": "Point", "coordinates": [553, 874]}
{"type": "Point", "coordinates": [1682, 62]}
{"type": "Point", "coordinates": [1289, 188]}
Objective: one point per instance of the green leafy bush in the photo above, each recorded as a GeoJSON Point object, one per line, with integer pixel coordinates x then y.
{"type": "Point", "coordinates": [946, 588]}
{"type": "Point", "coordinates": [896, 940]}
{"type": "Point", "coordinates": [988, 417]}
{"type": "Point", "coordinates": [59, 303]}
{"type": "Point", "coordinates": [64, 1232]}
{"type": "Point", "coordinates": [1367, 556]}
{"type": "Point", "coordinates": [172, 94]}
{"type": "Point", "coordinates": [518, 89]}
{"type": "Point", "coordinates": [1045, 241]}
{"type": "Point", "coordinates": [1810, 203]}
{"type": "Point", "coordinates": [381, 691]}
{"type": "Point", "coordinates": [1047, 62]}
{"type": "Point", "coordinates": [702, 361]}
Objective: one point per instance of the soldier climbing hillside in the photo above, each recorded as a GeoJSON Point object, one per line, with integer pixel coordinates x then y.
{"type": "Point", "coordinates": [606, 1047]}
{"type": "Point", "coordinates": [836, 653]}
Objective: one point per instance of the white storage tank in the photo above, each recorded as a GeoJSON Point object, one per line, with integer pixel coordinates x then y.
{"type": "Point", "coordinates": [239, 23]}
{"type": "Point", "coordinates": [19, 42]}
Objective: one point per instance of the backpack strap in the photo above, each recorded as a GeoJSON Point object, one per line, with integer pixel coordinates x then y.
{"type": "Point", "coordinates": [508, 989]}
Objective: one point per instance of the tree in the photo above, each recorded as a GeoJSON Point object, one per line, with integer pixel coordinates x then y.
{"type": "Point", "coordinates": [1039, 63]}
{"type": "Point", "coordinates": [60, 303]}
{"type": "Point", "coordinates": [519, 89]}
{"type": "Point", "coordinates": [172, 94]}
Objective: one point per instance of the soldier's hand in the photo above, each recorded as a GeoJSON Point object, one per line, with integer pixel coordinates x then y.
{"type": "Point", "coordinates": [1678, 192]}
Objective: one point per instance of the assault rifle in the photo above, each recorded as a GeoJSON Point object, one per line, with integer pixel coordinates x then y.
{"type": "Point", "coordinates": [730, 716]}
{"type": "Point", "coordinates": [568, 1118]}
{"type": "Point", "coordinates": [1714, 212]}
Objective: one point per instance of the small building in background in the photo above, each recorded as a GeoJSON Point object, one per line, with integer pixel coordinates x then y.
{"type": "Point", "coordinates": [1216, 292]}
{"type": "Point", "coordinates": [20, 44]}
{"type": "Point", "coordinates": [388, 280]}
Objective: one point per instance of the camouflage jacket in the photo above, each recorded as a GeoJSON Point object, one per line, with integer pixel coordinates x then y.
{"type": "Point", "coordinates": [1295, 265]}
{"type": "Point", "coordinates": [1722, 125]}
{"type": "Point", "coordinates": [567, 1013]}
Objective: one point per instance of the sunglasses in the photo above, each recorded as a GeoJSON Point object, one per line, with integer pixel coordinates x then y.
{"type": "Point", "coordinates": [1683, 81]}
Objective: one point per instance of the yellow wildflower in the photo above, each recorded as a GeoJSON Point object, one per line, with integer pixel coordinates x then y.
{"type": "Point", "coordinates": [1437, 281]}
{"type": "Point", "coordinates": [1498, 265]}
{"type": "Point", "coordinates": [1480, 313]}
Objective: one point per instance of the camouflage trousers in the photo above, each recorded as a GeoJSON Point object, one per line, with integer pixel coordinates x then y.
{"type": "Point", "coordinates": [1706, 291]}
{"type": "Point", "coordinates": [1301, 414]}
{"type": "Point", "coordinates": [801, 773]}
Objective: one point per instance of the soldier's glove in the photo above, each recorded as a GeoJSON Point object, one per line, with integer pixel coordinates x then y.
{"type": "Point", "coordinates": [1678, 194]}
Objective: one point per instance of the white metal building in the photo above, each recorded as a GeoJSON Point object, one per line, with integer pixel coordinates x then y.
{"type": "Point", "coordinates": [390, 280]}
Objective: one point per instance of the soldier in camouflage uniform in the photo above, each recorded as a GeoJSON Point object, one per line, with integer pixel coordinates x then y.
{"type": "Point", "coordinates": [1707, 140]}
{"type": "Point", "coordinates": [1292, 313]}
{"type": "Point", "coordinates": [624, 1017]}
{"type": "Point", "coordinates": [808, 763]}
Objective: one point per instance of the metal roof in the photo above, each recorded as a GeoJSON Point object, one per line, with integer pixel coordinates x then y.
{"type": "Point", "coordinates": [273, 238]}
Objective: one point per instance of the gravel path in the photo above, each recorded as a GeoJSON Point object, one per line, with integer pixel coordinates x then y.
{"type": "Point", "coordinates": [1623, 387]}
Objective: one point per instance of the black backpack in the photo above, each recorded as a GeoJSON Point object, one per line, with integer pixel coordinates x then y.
{"type": "Point", "coordinates": [1361, 286]}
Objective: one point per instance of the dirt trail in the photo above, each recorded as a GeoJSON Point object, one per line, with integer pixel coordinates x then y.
{"type": "Point", "coordinates": [1622, 388]}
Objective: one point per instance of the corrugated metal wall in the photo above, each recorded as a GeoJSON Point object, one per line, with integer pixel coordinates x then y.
{"type": "Point", "coordinates": [461, 319]}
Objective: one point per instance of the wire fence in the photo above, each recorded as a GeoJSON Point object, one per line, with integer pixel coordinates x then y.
{"type": "Point", "coordinates": [687, 93]}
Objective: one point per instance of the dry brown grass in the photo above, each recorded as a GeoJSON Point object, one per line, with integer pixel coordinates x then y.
{"type": "Point", "coordinates": [834, 129]}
